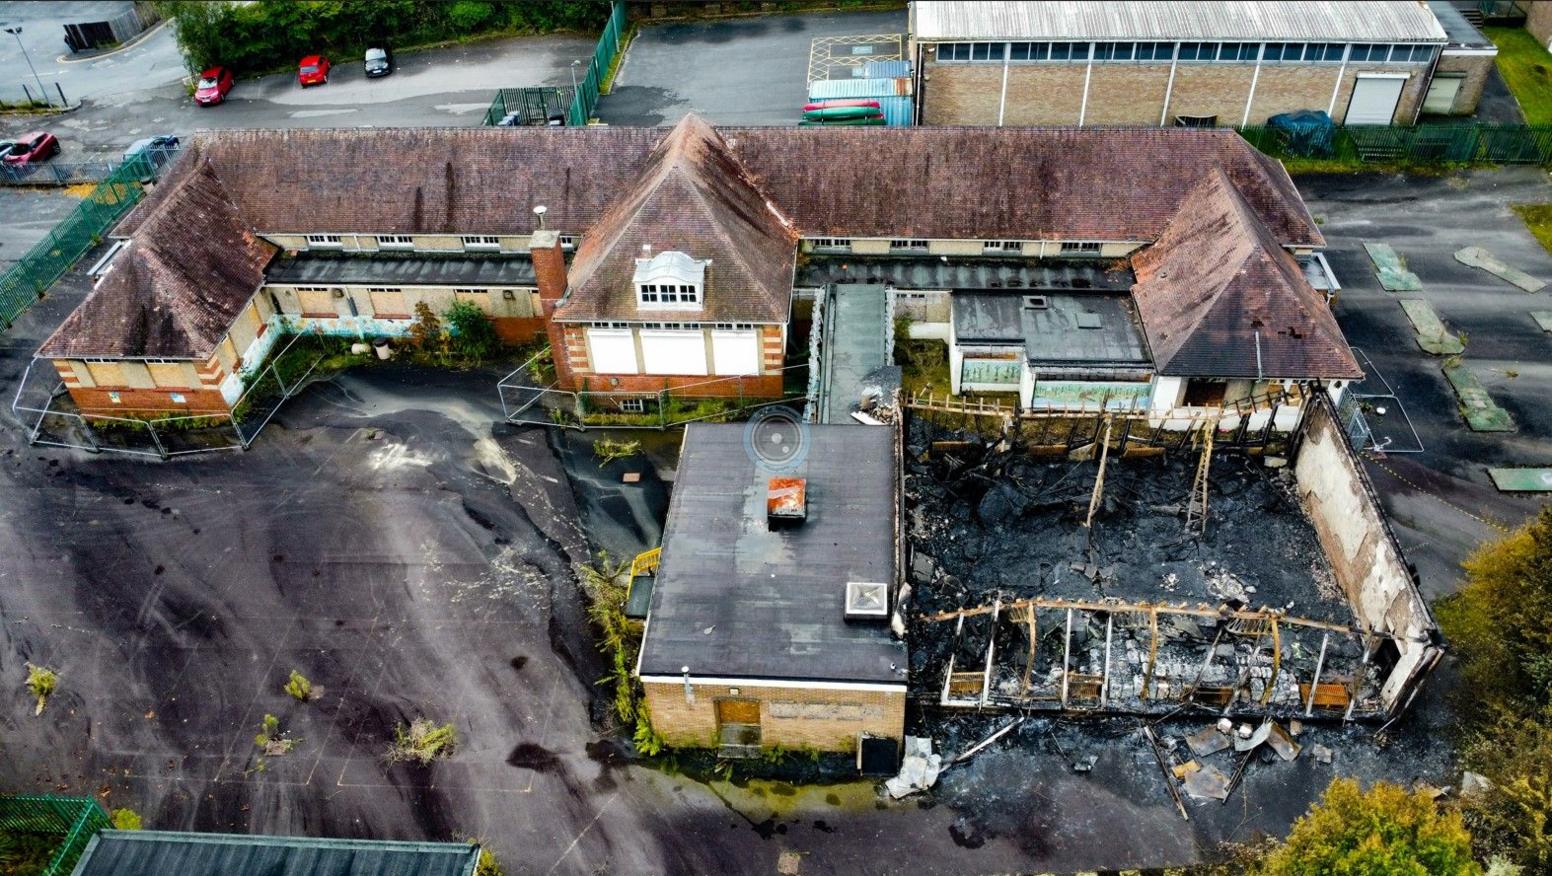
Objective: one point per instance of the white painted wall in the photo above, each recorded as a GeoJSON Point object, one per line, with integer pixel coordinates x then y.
{"type": "Point", "coordinates": [612, 351]}
{"type": "Point", "coordinates": [735, 352]}
{"type": "Point", "coordinates": [666, 351]}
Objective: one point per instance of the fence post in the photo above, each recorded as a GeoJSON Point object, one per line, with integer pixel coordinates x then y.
{"type": "Point", "coordinates": [160, 450]}
{"type": "Point", "coordinates": [28, 91]}
{"type": "Point", "coordinates": [62, 100]}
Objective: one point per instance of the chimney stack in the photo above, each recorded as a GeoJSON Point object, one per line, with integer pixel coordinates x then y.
{"type": "Point", "coordinates": [786, 503]}
{"type": "Point", "coordinates": [549, 262]}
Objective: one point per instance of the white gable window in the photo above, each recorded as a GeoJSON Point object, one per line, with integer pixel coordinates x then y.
{"type": "Point", "coordinates": [320, 241]}
{"type": "Point", "coordinates": [489, 242]}
{"type": "Point", "coordinates": [670, 280]}
{"type": "Point", "coordinates": [395, 241]}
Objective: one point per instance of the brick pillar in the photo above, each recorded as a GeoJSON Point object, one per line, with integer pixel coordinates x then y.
{"type": "Point", "coordinates": [549, 262]}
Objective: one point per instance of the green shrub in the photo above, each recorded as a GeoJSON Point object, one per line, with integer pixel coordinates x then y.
{"type": "Point", "coordinates": [41, 682]}
{"type": "Point", "coordinates": [125, 819]}
{"type": "Point", "coordinates": [607, 450]}
{"type": "Point", "coordinates": [422, 741]}
{"type": "Point", "coordinates": [1386, 830]}
{"type": "Point", "coordinates": [468, 16]}
{"type": "Point", "coordinates": [472, 330]}
{"type": "Point", "coordinates": [298, 687]}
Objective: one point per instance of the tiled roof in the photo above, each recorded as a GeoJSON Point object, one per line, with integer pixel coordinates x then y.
{"type": "Point", "coordinates": [176, 288]}
{"type": "Point", "coordinates": [693, 197]}
{"type": "Point", "coordinates": [1219, 297]}
{"type": "Point", "coordinates": [1008, 183]}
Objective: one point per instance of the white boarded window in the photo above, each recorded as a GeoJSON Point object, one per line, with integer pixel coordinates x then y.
{"type": "Point", "coordinates": [674, 352]}
{"type": "Point", "coordinates": [613, 351]}
{"type": "Point", "coordinates": [734, 353]}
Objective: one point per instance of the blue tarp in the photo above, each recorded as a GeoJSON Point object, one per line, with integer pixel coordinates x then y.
{"type": "Point", "coordinates": [1305, 132]}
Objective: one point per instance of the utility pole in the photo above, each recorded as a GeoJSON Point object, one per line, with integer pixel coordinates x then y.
{"type": "Point", "coordinates": [16, 31]}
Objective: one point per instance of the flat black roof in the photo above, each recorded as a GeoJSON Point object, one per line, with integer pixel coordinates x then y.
{"type": "Point", "coordinates": [1458, 32]}
{"type": "Point", "coordinates": [161, 853]}
{"type": "Point", "coordinates": [735, 599]}
{"type": "Point", "coordinates": [966, 272]}
{"type": "Point", "coordinates": [378, 270]}
{"type": "Point", "coordinates": [1056, 328]}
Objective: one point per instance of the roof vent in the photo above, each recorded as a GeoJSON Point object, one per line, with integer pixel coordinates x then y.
{"type": "Point", "coordinates": [786, 502]}
{"type": "Point", "coordinates": [1089, 320]}
{"type": "Point", "coordinates": [867, 600]}
{"type": "Point", "coordinates": [1036, 302]}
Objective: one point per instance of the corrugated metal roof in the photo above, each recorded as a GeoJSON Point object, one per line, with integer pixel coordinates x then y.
{"type": "Point", "coordinates": [829, 89]}
{"type": "Point", "coordinates": [1239, 20]}
{"type": "Point", "coordinates": [162, 853]}
{"type": "Point", "coordinates": [886, 69]}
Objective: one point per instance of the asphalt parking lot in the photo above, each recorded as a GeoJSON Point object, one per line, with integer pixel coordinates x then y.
{"type": "Point", "coordinates": [742, 71]}
{"type": "Point", "coordinates": [1441, 501]}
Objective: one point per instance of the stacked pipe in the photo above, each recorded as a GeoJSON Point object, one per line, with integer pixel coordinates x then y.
{"type": "Point", "coordinates": [851, 112]}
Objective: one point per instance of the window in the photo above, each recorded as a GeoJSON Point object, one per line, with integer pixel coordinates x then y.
{"type": "Point", "coordinates": [470, 291]}
{"type": "Point", "coordinates": [482, 241]}
{"type": "Point", "coordinates": [395, 241]}
{"type": "Point", "coordinates": [1002, 246]}
{"type": "Point", "coordinates": [669, 293]}
{"type": "Point", "coordinates": [323, 240]}
{"type": "Point", "coordinates": [382, 289]}
{"type": "Point", "coordinates": [1362, 53]}
{"type": "Point", "coordinates": [908, 245]}
{"type": "Point", "coordinates": [1069, 51]}
{"type": "Point", "coordinates": [1155, 51]}
{"type": "Point", "coordinates": [114, 397]}
{"type": "Point", "coordinates": [1204, 393]}
{"type": "Point", "coordinates": [177, 398]}
{"type": "Point", "coordinates": [633, 405]}
{"type": "Point", "coordinates": [1079, 247]}
{"type": "Point", "coordinates": [568, 241]}
{"type": "Point", "coordinates": [1114, 51]}
{"type": "Point", "coordinates": [832, 243]}
{"type": "Point", "coordinates": [1410, 54]}
{"type": "Point", "coordinates": [1198, 51]}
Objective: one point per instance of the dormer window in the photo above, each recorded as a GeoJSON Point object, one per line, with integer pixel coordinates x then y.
{"type": "Point", "coordinates": [670, 280]}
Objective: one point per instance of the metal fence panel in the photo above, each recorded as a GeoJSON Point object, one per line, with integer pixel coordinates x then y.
{"type": "Point", "coordinates": [586, 98]}
{"type": "Point", "coordinates": [1416, 144]}
{"type": "Point", "coordinates": [74, 819]}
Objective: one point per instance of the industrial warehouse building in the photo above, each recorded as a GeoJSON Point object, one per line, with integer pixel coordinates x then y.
{"type": "Point", "coordinates": [1192, 63]}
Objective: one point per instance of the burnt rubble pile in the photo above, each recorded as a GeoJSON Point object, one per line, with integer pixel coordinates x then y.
{"type": "Point", "coordinates": [1015, 602]}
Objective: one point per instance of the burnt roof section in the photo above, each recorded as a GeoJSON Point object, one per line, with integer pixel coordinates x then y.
{"type": "Point", "coordinates": [176, 288]}
{"type": "Point", "coordinates": [734, 599]}
{"type": "Point", "coordinates": [159, 853]}
{"type": "Point", "coordinates": [923, 182]}
{"type": "Point", "coordinates": [1009, 183]}
{"type": "Point", "coordinates": [1060, 329]}
{"type": "Point", "coordinates": [1219, 297]}
{"type": "Point", "coordinates": [692, 197]}
{"type": "Point", "coordinates": [375, 270]}
{"type": "Point", "coordinates": [932, 272]}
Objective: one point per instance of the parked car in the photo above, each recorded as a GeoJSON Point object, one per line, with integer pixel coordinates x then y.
{"type": "Point", "coordinates": [378, 63]}
{"type": "Point", "coordinates": [158, 150]}
{"type": "Point", "coordinates": [314, 70]}
{"type": "Point", "coordinates": [34, 147]}
{"type": "Point", "coordinates": [213, 86]}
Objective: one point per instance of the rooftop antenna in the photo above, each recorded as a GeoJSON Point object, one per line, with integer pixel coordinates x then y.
{"type": "Point", "coordinates": [540, 211]}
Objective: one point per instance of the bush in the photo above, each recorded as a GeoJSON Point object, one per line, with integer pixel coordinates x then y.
{"type": "Point", "coordinates": [298, 687]}
{"type": "Point", "coordinates": [126, 819]}
{"type": "Point", "coordinates": [426, 331]}
{"type": "Point", "coordinates": [253, 38]}
{"type": "Point", "coordinates": [1385, 831]}
{"type": "Point", "coordinates": [41, 682]}
{"type": "Point", "coordinates": [422, 741]}
{"type": "Point", "coordinates": [473, 332]}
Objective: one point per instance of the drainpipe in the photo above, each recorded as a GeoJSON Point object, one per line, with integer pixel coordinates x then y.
{"type": "Point", "coordinates": [1254, 78]}
{"type": "Point", "coordinates": [1088, 73]}
{"type": "Point", "coordinates": [1169, 90]}
{"type": "Point", "coordinates": [1002, 103]}
{"type": "Point", "coordinates": [1341, 73]}
{"type": "Point", "coordinates": [1433, 68]}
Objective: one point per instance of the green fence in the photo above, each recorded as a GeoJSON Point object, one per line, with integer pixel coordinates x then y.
{"type": "Point", "coordinates": [1418, 144]}
{"type": "Point", "coordinates": [32, 275]}
{"type": "Point", "coordinates": [586, 98]}
{"type": "Point", "coordinates": [529, 106]}
{"type": "Point", "coordinates": [66, 822]}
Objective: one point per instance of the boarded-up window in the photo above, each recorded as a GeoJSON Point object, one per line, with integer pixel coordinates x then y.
{"type": "Point", "coordinates": [106, 373]}
{"type": "Point", "coordinates": [674, 352]}
{"type": "Point", "coordinates": [172, 374]}
{"type": "Point", "coordinates": [316, 301]}
{"type": "Point", "coordinates": [1204, 393]}
{"type": "Point", "coordinates": [613, 351]}
{"type": "Point", "coordinates": [735, 352]}
{"type": "Point", "coordinates": [389, 304]}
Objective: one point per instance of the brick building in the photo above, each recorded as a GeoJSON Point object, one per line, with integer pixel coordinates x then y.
{"type": "Point", "coordinates": [769, 617]}
{"type": "Point", "coordinates": [1194, 62]}
{"type": "Point", "coordinates": [660, 259]}
{"type": "Point", "coordinates": [1538, 20]}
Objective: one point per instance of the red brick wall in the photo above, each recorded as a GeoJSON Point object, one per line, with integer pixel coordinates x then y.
{"type": "Point", "coordinates": [148, 401]}
{"type": "Point", "coordinates": [519, 329]}
{"type": "Point", "coordinates": [766, 386]}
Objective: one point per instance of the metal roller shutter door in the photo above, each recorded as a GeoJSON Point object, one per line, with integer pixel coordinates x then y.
{"type": "Point", "coordinates": [1374, 100]}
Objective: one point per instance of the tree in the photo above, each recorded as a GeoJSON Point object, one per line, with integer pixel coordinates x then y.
{"type": "Point", "coordinates": [1500, 622]}
{"type": "Point", "coordinates": [426, 331]}
{"type": "Point", "coordinates": [1385, 831]}
{"type": "Point", "coordinates": [474, 334]}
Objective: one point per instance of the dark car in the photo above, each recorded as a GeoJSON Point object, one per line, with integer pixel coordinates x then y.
{"type": "Point", "coordinates": [212, 86]}
{"type": "Point", "coordinates": [379, 62]}
{"type": "Point", "coordinates": [30, 148]}
{"type": "Point", "coordinates": [158, 150]}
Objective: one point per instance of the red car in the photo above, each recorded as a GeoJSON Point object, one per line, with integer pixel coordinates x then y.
{"type": "Point", "coordinates": [213, 86]}
{"type": "Point", "coordinates": [314, 70]}
{"type": "Point", "coordinates": [37, 146]}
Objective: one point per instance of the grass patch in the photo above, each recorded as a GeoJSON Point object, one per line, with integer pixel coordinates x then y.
{"type": "Point", "coordinates": [27, 854]}
{"type": "Point", "coordinates": [1527, 68]}
{"type": "Point", "coordinates": [41, 682]}
{"type": "Point", "coordinates": [1538, 218]}
{"type": "Point", "coordinates": [923, 363]}
{"type": "Point", "coordinates": [422, 742]}
{"type": "Point", "coordinates": [607, 450]}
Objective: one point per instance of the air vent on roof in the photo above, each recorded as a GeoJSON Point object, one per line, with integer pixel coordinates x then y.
{"type": "Point", "coordinates": [786, 502]}
{"type": "Point", "coordinates": [1036, 302]}
{"type": "Point", "coordinates": [1087, 320]}
{"type": "Point", "coordinates": [867, 600]}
